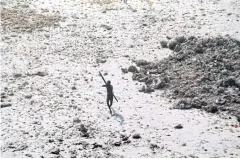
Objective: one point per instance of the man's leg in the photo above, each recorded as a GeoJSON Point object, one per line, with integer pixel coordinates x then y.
{"type": "Point", "coordinates": [109, 104]}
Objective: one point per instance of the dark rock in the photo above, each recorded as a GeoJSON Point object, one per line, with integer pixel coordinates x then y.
{"type": "Point", "coordinates": [182, 104]}
{"type": "Point", "coordinates": [55, 151]}
{"type": "Point", "coordinates": [141, 62]}
{"type": "Point", "coordinates": [17, 75]}
{"type": "Point", "coordinates": [154, 146]}
{"type": "Point", "coordinates": [74, 88]}
{"type": "Point", "coordinates": [96, 145]}
{"type": "Point", "coordinates": [172, 45]}
{"type": "Point", "coordinates": [132, 69]}
{"type": "Point", "coordinates": [107, 27]}
{"type": "Point", "coordinates": [180, 39]}
{"type": "Point", "coordinates": [124, 70]}
{"type": "Point", "coordinates": [179, 126]}
{"type": "Point", "coordinates": [117, 143]}
{"type": "Point", "coordinates": [163, 44]}
{"type": "Point", "coordinates": [40, 73]}
{"type": "Point", "coordinates": [136, 136]}
{"type": "Point", "coordinates": [3, 105]}
{"type": "Point", "coordinates": [28, 96]}
{"type": "Point", "coordinates": [221, 101]}
{"type": "Point", "coordinates": [212, 109]}
{"type": "Point", "coordinates": [101, 60]}
{"type": "Point", "coordinates": [76, 120]}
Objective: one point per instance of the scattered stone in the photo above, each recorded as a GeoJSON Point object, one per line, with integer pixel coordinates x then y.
{"type": "Point", "coordinates": [29, 155]}
{"type": "Point", "coordinates": [76, 120]}
{"type": "Point", "coordinates": [184, 144]}
{"type": "Point", "coordinates": [141, 62]}
{"type": "Point", "coordinates": [40, 73]}
{"type": "Point", "coordinates": [132, 69]}
{"type": "Point", "coordinates": [164, 44]}
{"type": "Point", "coordinates": [179, 126]}
{"type": "Point", "coordinates": [154, 146]}
{"type": "Point", "coordinates": [117, 143]}
{"type": "Point", "coordinates": [124, 70]}
{"type": "Point", "coordinates": [101, 60]}
{"type": "Point", "coordinates": [106, 27]}
{"type": "Point", "coordinates": [3, 105]}
{"type": "Point", "coordinates": [172, 45]}
{"type": "Point", "coordinates": [17, 75]}
{"type": "Point", "coordinates": [74, 88]}
{"type": "Point", "coordinates": [96, 145]}
{"type": "Point", "coordinates": [28, 96]}
{"type": "Point", "coordinates": [55, 151]}
{"type": "Point", "coordinates": [136, 136]}
{"type": "Point", "coordinates": [212, 109]}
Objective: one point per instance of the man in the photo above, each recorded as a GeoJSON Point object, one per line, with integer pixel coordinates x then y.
{"type": "Point", "coordinates": [109, 95]}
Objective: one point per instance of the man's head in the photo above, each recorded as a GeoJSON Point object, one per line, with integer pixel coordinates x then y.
{"type": "Point", "coordinates": [108, 82]}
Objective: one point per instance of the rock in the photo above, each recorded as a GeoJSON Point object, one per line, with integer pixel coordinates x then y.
{"type": "Point", "coordinates": [160, 83]}
{"type": "Point", "coordinates": [141, 62]}
{"type": "Point", "coordinates": [182, 104]}
{"type": "Point", "coordinates": [107, 27]}
{"type": "Point", "coordinates": [74, 88]}
{"type": "Point", "coordinates": [96, 145]}
{"type": "Point", "coordinates": [212, 109]}
{"type": "Point", "coordinates": [163, 44]}
{"type": "Point", "coordinates": [180, 39]}
{"type": "Point", "coordinates": [132, 69]}
{"type": "Point", "coordinates": [136, 136]}
{"type": "Point", "coordinates": [172, 45]}
{"type": "Point", "coordinates": [124, 70]}
{"type": "Point", "coordinates": [124, 137]}
{"type": "Point", "coordinates": [3, 105]}
{"type": "Point", "coordinates": [41, 73]}
{"type": "Point", "coordinates": [28, 96]}
{"type": "Point", "coordinates": [179, 126]}
{"type": "Point", "coordinates": [29, 155]}
{"type": "Point", "coordinates": [220, 101]}
{"type": "Point", "coordinates": [17, 75]}
{"type": "Point", "coordinates": [184, 144]}
{"type": "Point", "coordinates": [105, 74]}
{"type": "Point", "coordinates": [117, 143]}
{"type": "Point", "coordinates": [154, 146]}
{"type": "Point", "coordinates": [55, 151]}
{"type": "Point", "coordinates": [76, 120]}
{"type": "Point", "coordinates": [82, 128]}
{"type": "Point", "coordinates": [101, 60]}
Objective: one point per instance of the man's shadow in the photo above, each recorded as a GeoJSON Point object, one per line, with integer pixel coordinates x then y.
{"type": "Point", "coordinates": [118, 116]}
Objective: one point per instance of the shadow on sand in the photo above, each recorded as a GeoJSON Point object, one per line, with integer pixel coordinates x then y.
{"type": "Point", "coordinates": [118, 116]}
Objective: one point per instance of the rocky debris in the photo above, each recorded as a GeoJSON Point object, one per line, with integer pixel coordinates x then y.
{"type": "Point", "coordinates": [107, 27]}
{"type": "Point", "coordinates": [101, 60]}
{"type": "Point", "coordinates": [211, 109]}
{"type": "Point", "coordinates": [124, 137]}
{"type": "Point", "coordinates": [96, 145]}
{"type": "Point", "coordinates": [74, 87]}
{"type": "Point", "coordinates": [203, 73]}
{"type": "Point", "coordinates": [41, 73]}
{"type": "Point", "coordinates": [179, 126]}
{"type": "Point", "coordinates": [83, 130]}
{"type": "Point", "coordinates": [117, 143]}
{"type": "Point", "coordinates": [3, 105]}
{"type": "Point", "coordinates": [154, 146]}
{"type": "Point", "coordinates": [141, 62]}
{"type": "Point", "coordinates": [17, 75]}
{"type": "Point", "coordinates": [124, 70]}
{"type": "Point", "coordinates": [132, 69]}
{"type": "Point", "coordinates": [76, 120]}
{"type": "Point", "coordinates": [55, 151]}
{"type": "Point", "coordinates": [164, 44]}
{"type": "Point", "coordinates": [146, 89]}
{"type": "Point", "coordinates": [136, 136]}
{"type": "Point", "coordinates": [28, 96]}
